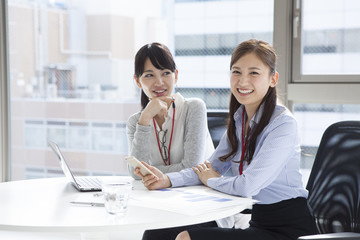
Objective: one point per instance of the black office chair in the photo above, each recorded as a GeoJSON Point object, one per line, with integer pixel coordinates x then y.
{"type": "Point", "coordinates": [217, 124]}
{"type": "Point", "coordinates": [334, 183]}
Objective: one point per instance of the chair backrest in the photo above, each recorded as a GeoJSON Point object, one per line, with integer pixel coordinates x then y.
{"type": "Point", "coordinates": [217, 124]}
{"type": "Point", "coordinates": [334, 183]}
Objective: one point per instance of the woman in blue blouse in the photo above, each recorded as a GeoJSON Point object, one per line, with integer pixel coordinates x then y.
{"type": "Point", "coordinates": [261, 147]}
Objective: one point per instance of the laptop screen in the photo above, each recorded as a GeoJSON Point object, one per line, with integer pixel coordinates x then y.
{"type": "Point", "coordinates": [62, 161]}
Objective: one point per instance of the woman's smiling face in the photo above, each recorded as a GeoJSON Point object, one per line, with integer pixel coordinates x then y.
{"type": "Point", "coordinates": [250, 80]}
{"type": "Point", "coordinates": [156, 82]}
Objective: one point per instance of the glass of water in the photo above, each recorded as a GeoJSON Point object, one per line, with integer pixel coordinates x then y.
{"type": "Point", "coordinates": [116, 196]}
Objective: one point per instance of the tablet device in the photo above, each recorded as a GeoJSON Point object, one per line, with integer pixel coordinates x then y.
{"type": "Point", "coordinates": [137, 164]}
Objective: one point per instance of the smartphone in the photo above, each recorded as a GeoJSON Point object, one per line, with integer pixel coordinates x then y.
{"type": "Point", "coordinates": [137, 164]}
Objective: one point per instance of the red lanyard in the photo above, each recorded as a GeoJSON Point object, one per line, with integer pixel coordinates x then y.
{"type": "Point", "coordinates": [172, 130]}
{"type": "Point", "coordinates": [243, 143]}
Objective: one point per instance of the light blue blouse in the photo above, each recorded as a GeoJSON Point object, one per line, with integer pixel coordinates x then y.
{"type": "Point", "coordinates": [274, 172]}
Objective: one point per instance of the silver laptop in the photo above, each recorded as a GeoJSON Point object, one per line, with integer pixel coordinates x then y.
{"type": "Point", "coordinates": [83, 184]}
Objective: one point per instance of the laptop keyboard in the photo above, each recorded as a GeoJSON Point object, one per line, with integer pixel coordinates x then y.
{"type": "Point", "coordinates": [89, 182]}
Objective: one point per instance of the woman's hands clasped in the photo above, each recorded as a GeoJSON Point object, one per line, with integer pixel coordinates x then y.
{"type": "Point", "coordinates": [205, 171]}
{"type": "Point", "coordinates": [152, 182]}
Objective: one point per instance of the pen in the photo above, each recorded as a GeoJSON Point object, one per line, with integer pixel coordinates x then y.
{"type": "Point", "coordinates": [88, 204]}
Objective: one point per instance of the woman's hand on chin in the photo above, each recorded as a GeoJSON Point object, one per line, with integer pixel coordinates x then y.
{"type": "Point", "coordinates": [156, 106]}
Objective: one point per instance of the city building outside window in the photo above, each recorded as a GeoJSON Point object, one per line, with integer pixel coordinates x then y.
{"type": "Point", "coordinates": [72, 79]}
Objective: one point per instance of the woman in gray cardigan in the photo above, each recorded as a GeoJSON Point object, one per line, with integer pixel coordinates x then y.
{"type": "Point", "coordinates": [170, 132]}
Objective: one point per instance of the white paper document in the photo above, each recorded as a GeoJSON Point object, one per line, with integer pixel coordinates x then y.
{"type": "Point", "coordinates": [192, 200]}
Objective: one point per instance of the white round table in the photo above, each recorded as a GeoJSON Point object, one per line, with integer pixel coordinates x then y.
{"type": "Point", "coordinates": [43, 205]}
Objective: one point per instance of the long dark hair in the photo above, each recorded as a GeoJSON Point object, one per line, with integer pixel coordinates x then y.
{"type": "Point", "coordinates": [159, 55]}
{"type": "Point", "coordinates": [267, 54]}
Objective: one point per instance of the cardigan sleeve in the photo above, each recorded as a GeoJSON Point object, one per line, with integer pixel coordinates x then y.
{"type": "Point", "coordinates": [138, 141]}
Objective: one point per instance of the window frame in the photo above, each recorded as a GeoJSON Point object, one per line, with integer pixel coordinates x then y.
{"type": "Point", "coordinates": [326, 89]}
{"type": "Point", "coordinates": [4, 96]}
{"type": "Point", "coordinates": [297, 76]}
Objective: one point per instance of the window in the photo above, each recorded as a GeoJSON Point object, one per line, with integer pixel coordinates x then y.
{"type": "Point", "coordinates": [313, 120]}
{"type": "Point", "coordinates": [206, 32]}
{"type": "Point", "coordinates": [325, 78]}
{"type": "Point", "coordinates": [72, 79]}
{"type": "Point", "coordinates": [326, 41]}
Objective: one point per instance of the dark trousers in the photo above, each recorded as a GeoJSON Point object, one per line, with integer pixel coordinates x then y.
{"type": "Point", "coordinates": [285, 220]}
{"type": "Point", "coordinates": [171, 233]}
